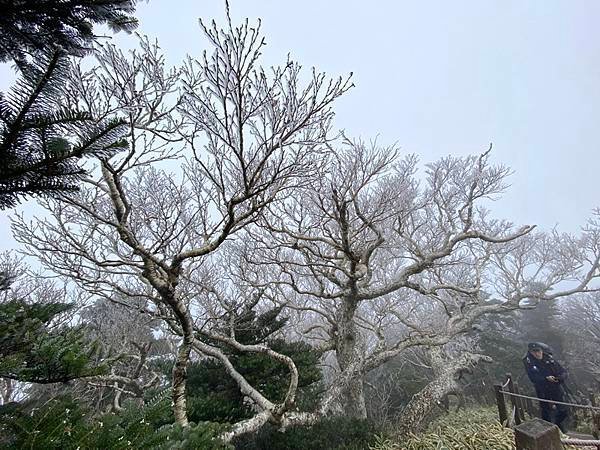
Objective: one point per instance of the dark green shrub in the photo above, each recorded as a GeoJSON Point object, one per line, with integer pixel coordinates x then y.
{"type": "Point", "coordinates": [214, 396]}
{"type": "Point", "coordinates": [62, 424]}
{"type": "Point", "coordinates": [58, 424]}
{"type": "Point", "coordinates": [329, 434]}
{"type": "Point", "coordinates": [201, 436]}
{"type": "Point", "coordinates": [33, 351]}
{"type": "Point", "coordinates": [140, 428]}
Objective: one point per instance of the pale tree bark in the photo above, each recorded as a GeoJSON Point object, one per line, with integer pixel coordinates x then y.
{"type": "Point", "coordinates": [219, 326]}
{"type": "Point", "coordinates": [132, 385]}
{"type": "Point", "coordinates": [447, 372]}
{"type": "Point", "coordinates": [211, 144]}
{"type": "Point", "coordinates": [7, 390]}
{"type": "Point", "coordinates": [268, 411]}
{"type": "Point", "coordinates": [127, 345]}
{"type": "Point", "coordinates": [377, 261]}
{"type": "Point", "coordinates": [222, 303]}
{"type": "Point", "coordinates": [347, 350]}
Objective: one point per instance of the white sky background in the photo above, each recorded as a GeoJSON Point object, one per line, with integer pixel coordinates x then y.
{"type": "Point", "coordinates": [439, 78]}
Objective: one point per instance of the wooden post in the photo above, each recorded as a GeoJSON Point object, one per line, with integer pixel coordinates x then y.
{"type": "Point", "coordinates": [502, 414]}
{"type": "Point", "coordinates": [513, 400]}
{"type": "Point", "coordinates": [591, 397]}
{"type": "Point", "coordinates": [595, 415]}
{"type": "Point", "coordinates": [530, 408]}
{"type": "Point", "coordinates": [520, 401]}
{"type": "Point", "coordinates": [537, 434]}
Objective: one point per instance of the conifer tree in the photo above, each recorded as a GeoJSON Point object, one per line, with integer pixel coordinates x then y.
{"type": "Point", "coordinates": [33, 347]}
{"type": "Point", "coordinates": [214, 396]}
{"type": "Point", "coordinates": [29, 26]}
{"type": "Point", "coordinates": [41, 138]}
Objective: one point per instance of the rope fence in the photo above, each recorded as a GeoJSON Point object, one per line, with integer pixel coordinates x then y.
{"type": "Point", "coordinates": [581, 442]}
{"type": "Point", "coordinates": [576, 405]}
{"type": "Point", "coordinates": [522, 404]}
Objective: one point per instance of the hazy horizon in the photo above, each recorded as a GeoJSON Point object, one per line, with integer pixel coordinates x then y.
{"type": "Point", "coordinates": [439, 78]}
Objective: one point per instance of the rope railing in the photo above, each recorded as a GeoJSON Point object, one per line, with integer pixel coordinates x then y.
{"type": "Point", "coordinates": [576, 405]}
{"type": "Point", "coordinates": [523, 403]}
{"type": "Point", "coordinates": [581, 442]}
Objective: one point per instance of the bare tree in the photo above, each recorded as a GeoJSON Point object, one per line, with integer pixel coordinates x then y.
{"type": "Point", "coordinates": [373, 248]}
{"type": "Point", "coordinates": [10, 390]}
{"type": "Point", "coordinates": [580, 321]}
{"type": "Point", "coordinates": [124, 352]}
{"type": "Point", "coordinates": [126, 346]}
{"type": "Point", "coordinates": [449, 364]}
{"type": "Point", "coordinates": [210, 145]}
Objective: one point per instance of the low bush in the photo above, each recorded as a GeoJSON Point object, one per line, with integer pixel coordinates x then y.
{"type": "Point", "coordinates": [330, 434]}
{"type": "Point", "coordinates": [471, 429]}
{"type": "Point", "coordinates": [61, 424]}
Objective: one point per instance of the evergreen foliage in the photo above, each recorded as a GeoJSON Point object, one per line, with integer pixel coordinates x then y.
{"type": "Point", "coordinates": [541, 324]}
{"type": "Point", "coordinates": [504, 342]}
{"type": "Point", "coordinates": [40, 139]}
{"type": "Point", "coordinates": [329, 434]}
{"type": "Point", "coordinates": [62, 423]}
{"type": "Point", "coordinates": [32, 350]}
{"type": "Point", "coordinates": [214, 396]}
{"type": "Point", "coordinates": [28, 26]}
{"type": "Point", "coordinates": [58, 424]}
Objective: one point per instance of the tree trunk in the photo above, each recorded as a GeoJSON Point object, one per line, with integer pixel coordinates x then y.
{"type": "Point", "coordinates": [7, 390]}
{"type": "Point", "coordinates": [179, 383]}
{"type": "Point", "coordinates": [348, 351]}
{"type": "Point", "coordinates": [179, 374]}
{"type": "Point", "coordinates": [415, 414]}
{"type": "Point", "coordinates": [353, 400]}
{"type": "Point", "coordinates": [421, 405]}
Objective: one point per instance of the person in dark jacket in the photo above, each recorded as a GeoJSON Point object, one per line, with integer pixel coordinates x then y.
{"type": "Point", "coordinates": [548, 378]}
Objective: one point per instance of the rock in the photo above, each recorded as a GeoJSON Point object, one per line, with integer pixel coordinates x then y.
{"type": "Point", "coordinates": [537, 434]}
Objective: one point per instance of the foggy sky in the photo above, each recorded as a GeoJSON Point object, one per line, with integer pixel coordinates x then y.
{"type": "Point", "coordinates": [439, 78]}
